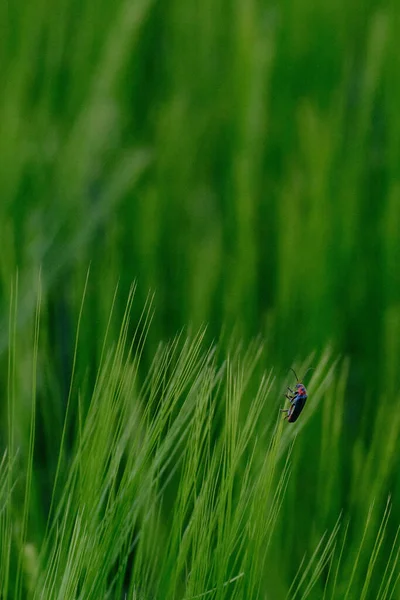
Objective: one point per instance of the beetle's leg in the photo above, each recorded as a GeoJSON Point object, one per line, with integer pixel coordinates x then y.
{"type": "Point", "coordinates": [285, 410]}
{"type": "Point", "coordinates": [290, 390]}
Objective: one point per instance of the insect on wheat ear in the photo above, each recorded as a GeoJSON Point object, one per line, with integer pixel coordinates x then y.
{"type": "Point", "coordinates": [296, 397]}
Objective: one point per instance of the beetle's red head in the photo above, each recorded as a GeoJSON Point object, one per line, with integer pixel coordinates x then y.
{"type": "Point", "coordinates": [301, 390]}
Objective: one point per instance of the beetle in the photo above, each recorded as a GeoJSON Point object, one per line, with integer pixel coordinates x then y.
{"type": "Point", "coordinates": [297, 398]}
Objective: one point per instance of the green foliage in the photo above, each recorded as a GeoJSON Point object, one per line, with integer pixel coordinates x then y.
{"type": "Point", "coordinates": [179, 485]}
{"type": "Point", "coordinates": [240, 160]}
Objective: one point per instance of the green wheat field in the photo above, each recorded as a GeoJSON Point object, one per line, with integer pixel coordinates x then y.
{"type": "Point", "coordinates": [196, 197]}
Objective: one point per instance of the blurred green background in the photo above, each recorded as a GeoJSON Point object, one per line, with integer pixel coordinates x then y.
{"type": "Point", "coordinates": [241, 160]}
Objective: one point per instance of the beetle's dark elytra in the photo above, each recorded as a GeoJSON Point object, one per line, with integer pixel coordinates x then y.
{"type": "Point", "coordinates": [296, 408]}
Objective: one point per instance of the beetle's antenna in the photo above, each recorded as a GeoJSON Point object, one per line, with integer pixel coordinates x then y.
{"type": "Point", "coordinates": [309, 369]}
{"type": "Point", "coordinates": [294, 373]}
